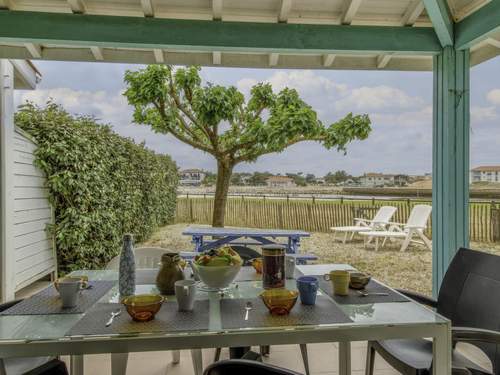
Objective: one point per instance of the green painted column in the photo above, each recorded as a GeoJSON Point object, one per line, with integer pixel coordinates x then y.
{"type": "Point", "coordinates": [450, 171]}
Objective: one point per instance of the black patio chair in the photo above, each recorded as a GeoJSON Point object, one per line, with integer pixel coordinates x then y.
{"type": "Point", "coordinates": [30, 365]}
{"type": "Point", "coordinates": [470, 297]}
{"type": "Point", "coordinates": [245, 367]}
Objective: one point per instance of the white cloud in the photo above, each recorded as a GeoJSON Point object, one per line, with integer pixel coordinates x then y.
{"type": "Point", "coordinates": [421, 117]}
{"type": "Point", "coordinates": [306, 82]}
{"type": "Point", "coordinates": [493, 96]}
{"type": "Point", "coordinates": [483, 113]}
{"type": "Point", "coordinates": [376, 98]}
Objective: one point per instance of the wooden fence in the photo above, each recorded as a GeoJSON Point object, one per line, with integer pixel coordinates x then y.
{"type": "Point", "coordinates": [319, 215]}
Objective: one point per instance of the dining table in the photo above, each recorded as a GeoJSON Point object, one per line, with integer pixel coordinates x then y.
{"type": "Point", "coordinates": [218, 321]}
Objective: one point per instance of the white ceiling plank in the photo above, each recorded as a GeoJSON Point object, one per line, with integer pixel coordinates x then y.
{"type": "Point", "coordinates": [412, 13]}
{"type": "Point", "coordinates": [159, 58]}
{"type": "Point", "coordinates": [350, 11]}
{"type": "Point", "coordinates": [5, 4]}
{"type": "Point", "coordinates": [285, 7]}
{"type": "Point", "coordinates": [77, 6]}
{"type": "Point", "coordinates": [97, 52]}
{"type": "Point", "coordinates": [148, 8]}
{"type": "Point", "coordinates": [34, 49]}
{"type": "Point", "coordinates": [383, 60]}
{"type": "Point", "coordinates": [217, 9]}
{"type": "Point", "coordinates": [217, 58]}
{"type": "Point", "coordinates": [493, 42]}
{"type": "Point", "coordinates": [328, 60]}
{"type": "Point", "coordinates": [273, 59]}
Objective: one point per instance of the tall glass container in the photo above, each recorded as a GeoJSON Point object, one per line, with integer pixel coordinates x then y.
{"type": "Point", "coordinates": [126, 275]}
{"type": "Point", "coordinates": [273, 266]}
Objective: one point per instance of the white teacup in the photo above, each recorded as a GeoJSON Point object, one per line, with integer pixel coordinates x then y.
{"type": "Point", "coordinates": [185, 293]}
{"type": "Point", "coordinates": [69, 290]}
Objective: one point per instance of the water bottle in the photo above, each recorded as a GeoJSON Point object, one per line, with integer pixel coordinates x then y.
{"type": "Point", "coordinates": [126, 278]}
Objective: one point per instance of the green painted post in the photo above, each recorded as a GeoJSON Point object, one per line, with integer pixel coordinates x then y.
{"type": "Point", "coordinates": [450, 177]}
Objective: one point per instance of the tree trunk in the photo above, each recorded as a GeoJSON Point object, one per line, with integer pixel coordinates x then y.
{"type": "Point", "coordinates": [224, 171]}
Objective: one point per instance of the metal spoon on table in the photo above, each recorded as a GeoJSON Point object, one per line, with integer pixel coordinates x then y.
{"type": "Point", "coordinates": [114, 314]}
{"type": "Point", "coordinates": [248, 307]}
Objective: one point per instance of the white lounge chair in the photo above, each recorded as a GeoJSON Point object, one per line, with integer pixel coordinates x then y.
{"type": "Point", "coordinates": [147, 258]}
{"type": "Point", "coordinates": [415, 227]}
{"type": "Point", "coordinates": [379, 222]}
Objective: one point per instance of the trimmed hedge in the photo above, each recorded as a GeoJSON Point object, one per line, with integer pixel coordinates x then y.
{"type": "Point", "coordinates": [100, 184]}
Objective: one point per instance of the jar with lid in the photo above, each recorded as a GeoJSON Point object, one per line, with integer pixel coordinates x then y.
{"type": "Point", "coordinates": [273, 266]}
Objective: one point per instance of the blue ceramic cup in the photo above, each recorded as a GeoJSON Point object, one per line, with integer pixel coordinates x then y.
{"type": "Point", "coordinates": [308, 287]}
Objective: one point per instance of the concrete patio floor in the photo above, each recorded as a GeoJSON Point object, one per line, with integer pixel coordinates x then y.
{"type": "Point", "coordinates": [323, 360]}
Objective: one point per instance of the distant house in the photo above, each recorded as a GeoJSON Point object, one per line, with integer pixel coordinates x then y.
{"type": "Point", "coordinates": [280, 181]}
{"type": "Point", "coordinates": [192, 177]}
{"type": "Point", "coordinates": [490, 173]}
{"type": "Point", "coordinates": [381, 179]}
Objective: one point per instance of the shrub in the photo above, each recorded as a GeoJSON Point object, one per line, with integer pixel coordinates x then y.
{"type": "Point", "coordinates": [100, 184]}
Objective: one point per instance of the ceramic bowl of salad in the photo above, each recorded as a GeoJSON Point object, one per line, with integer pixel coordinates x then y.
{"type": "Point", "coordinates": [217, 268]}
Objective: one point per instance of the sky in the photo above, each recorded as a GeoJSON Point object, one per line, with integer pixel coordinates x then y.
{"type": "Point", "coordinates": [399, 105]}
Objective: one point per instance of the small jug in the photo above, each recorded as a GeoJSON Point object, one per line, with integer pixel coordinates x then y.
{"type": "Point", "coordinates": [170, 272]}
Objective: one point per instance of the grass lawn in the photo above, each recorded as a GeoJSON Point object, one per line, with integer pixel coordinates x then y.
{"type": "Point", "coordinates": [409, 270]}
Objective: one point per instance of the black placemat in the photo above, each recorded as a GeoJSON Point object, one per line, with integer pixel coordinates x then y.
{"type": "Point", "coordinates": [168, 319]}
{"type": "Point", "coordinates": [354, 297]}
{"type": "Point", "coordinates": [324, 311]}
{"type": "Point", "coordinates": [48, 301]}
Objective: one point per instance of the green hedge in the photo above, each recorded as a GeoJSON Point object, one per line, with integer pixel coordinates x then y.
{"type": "Point", "coordinates": [100, 184]}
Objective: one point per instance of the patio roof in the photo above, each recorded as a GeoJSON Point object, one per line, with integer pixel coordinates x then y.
{"type": "Point", "coordinates": [315, 34]}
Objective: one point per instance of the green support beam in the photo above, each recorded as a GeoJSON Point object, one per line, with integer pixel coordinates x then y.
{"type": "Point", "coordinates": [478, 25]}
{"type": "Point", "coordinates": [441, 19]}
{"type": "Point", "coordinates": [148, 32]}
{"type": "Point", "coordinates": [450, 174]}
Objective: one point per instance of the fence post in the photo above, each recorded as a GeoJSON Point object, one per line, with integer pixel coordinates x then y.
{"type": "Point", "coordinates": [341, 200]}
{"type": "Point", "coordinates": [495, 222]}
{"type": "Point", "coordinates": [314, 199]}
{"type": "Point", "coordinates": [373, 201]}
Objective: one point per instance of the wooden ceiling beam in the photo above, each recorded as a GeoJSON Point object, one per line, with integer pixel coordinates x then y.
{"type": "Point", "coordinates": [77, 6]}
{"type": "Point", "coordinates": [328, 60]}
{"type": "Point", "coordinates": [148, 8]}
{"type": "Point", "coordinates": [97, 52]}
{"type": "Point", "coordinates": [217, 58]}
{"type": "Point", "coordinates": [285, 7]}
{"type": "Point", "coordinates": [35, 50]}
{"type": "Point", "coordinates": [217, 6]}
{"type": "Point", "coordinates": [273, 59]}
{"type": "Point", "coordinates": [493, 42]}
{"type": "Point", "coordinates": [159, 57]}
{"type": "Point", "coordinates": [383, 60]}
{"type": "Point", "coordinates": [350, 11]}
{"type": "Point", "coordinates": [5, 4]}
{"type": "Point", "coordinates": [412, 13]}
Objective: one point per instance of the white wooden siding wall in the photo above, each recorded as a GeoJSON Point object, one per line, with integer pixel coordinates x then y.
{"type": "Point", "coordinates": [34, 247]}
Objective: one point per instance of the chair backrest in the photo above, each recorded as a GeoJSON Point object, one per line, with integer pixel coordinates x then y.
{"type": "Point", "coordinates": [419, 216]}
{"type": "Point", "coordinates": [384, 214]}
{"type": "Point", "coordinates": [470, 296]}
{"type": "Point", "coordinates": [145, 257]}
{"type": "Point", "coordinates": [245, 367]}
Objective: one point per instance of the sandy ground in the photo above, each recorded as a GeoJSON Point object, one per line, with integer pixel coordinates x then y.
{"type": "Point", "coordinates": [409, 270]}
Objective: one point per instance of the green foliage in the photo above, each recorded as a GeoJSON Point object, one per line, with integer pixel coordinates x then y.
{"type": "Point", "coordinates": [101, 185]}
{"type": "Point", "coordinates": [337, 177]}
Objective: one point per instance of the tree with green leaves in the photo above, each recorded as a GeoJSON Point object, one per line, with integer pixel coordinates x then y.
{"type": "Point", "coordinates": [219, 121]}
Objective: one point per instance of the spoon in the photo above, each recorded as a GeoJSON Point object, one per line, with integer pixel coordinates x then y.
{"type": "Point", "coordinates": [248, 307]}
{"type": "Point", "coordinates": [364, 293]}
{"type": "Point", "coordinates": [114, 314]}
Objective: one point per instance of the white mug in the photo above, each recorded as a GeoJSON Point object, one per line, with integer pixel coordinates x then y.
{"type": "Point", "coordinates": [185, 293]}
{"type": "Point", "coordinates": [289, 266]}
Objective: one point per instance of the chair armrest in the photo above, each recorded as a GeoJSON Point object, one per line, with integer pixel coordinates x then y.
{"type": "Point", "coordinates": [468, 334]}
{"type": "Point", "coordinates": [400, 224]}
{"type": "Point", "coordinates": [418, 297]}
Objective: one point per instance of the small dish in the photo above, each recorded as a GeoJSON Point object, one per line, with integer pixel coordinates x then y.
{"type": "Point", "coordinates": [143, 307]}
{"type": "Point", "coordinates": [257, 264]}
{"type": "Point", "coordinates": [359, 280]}
{"type": "Point", "coordinates": [279, 301]}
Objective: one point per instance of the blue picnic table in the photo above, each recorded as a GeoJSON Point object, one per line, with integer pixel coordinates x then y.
{"type": "Point", "coordinates": [244, 236]}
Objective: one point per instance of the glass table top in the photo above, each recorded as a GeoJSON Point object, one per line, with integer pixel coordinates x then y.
{"type": "Point", "coordinates": [55, 327]}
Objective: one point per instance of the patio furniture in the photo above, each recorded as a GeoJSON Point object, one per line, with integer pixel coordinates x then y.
{"type": "Point", "coordinates": [415, 227]}
{"type": "Point", "coordinates": [245, 367]}
{"type": "Point", "coordinates": [469, 298]}
{"type": "Point", "coordinates": [45, 365]}
{"type": "Point", "coordinates": [379, 222]}
{"type": "Point", "coordinates": [145, 258]}
{"type": "Point", "coordinates": [220, 326]}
